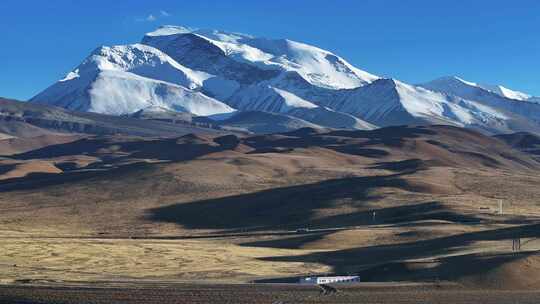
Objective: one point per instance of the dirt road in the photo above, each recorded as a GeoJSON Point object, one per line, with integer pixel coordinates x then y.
{"type": "Point", "coordinates": [258, 293]}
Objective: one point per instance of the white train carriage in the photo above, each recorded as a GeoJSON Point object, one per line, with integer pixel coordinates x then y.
{"type": "Point", "coordinates": [330, 280]}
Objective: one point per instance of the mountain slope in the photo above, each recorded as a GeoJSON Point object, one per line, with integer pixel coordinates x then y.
{"type": "Point", "coordinates": [523, 141]}
{"type": "Point", "coordinates": [25, 120]}
{"type": "Point", "coordinates": [324, 116]}
{"type": "Point", "coordinates": [263, 97]}
{"type": "Point", "coordinates": [265, 122]}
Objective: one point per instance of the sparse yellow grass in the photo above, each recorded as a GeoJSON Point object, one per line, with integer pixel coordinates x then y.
{"type": "Point", "coordinates": [90, 260]}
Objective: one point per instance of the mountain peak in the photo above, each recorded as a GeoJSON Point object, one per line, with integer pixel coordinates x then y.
{"type": "Point", "coordinates": [213, 34]}
{"type": "Point", "coordinates": [232, 55]}
{"type": "Point", "coordinates": [453, 79]}
{"type": "Point", "coordinates": [387, 82]}
{"type": "Point", "coordinates": [506, 92]}
{"type": "Point", "coordinates": [450, 84]}
{"type": "Point", "coordinates": [166, 30]}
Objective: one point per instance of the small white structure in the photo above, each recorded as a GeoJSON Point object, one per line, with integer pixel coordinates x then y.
{"type": "Point", "coordinates": [329, 280]}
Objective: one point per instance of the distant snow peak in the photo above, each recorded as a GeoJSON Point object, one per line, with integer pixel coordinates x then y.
{"type": "Point", "coordinates": [505, 92]}
{"type": "Point", "coordinates": [465, 81]}
{"type": "Point", "coordinates": [448, 82]}
{"type": "Point", "coordinates": [525, 110]}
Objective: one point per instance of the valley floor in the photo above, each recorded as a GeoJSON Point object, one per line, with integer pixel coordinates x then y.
{"type": "Point", "coordinates": [471, 255]}
{"type": "Point", "coordinates": [393, 205]}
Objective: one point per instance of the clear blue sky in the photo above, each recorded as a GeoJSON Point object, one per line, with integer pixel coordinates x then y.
{"type": "Point", "coordinates": [489, 41]}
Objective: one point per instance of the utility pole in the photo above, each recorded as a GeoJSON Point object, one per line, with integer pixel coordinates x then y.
{"type": "Point", "coordinates": [516, 245]}
{"type": "Point", "coordinates": [500, 207]}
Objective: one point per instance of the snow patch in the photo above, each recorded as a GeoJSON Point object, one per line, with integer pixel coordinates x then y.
{"type": "Point", "coordinates": [120, 93]}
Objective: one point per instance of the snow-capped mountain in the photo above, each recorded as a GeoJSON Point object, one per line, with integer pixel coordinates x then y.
{"type": "Point", "coordinates": [449, 82]}
{"type": "Point", "coordinates": [472, 91]}
{"type": "Point", "coordinates": [508, 93]}
{"type": "Point", "coordinates": [205, 73]}
{"type": "Point", "coordinates": [387, 102]}
{"type": "Point", "coordinates": [215, 73]}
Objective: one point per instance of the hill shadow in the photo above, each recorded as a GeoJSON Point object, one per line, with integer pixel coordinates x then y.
{"type": "Point", "coordinates": [452, 268]}
{"type": "Point", "coordinates": [344, 141]}
{"type": "Point", "coordinates": [182, 148]}
{"type": "Point", "coordinates": [392, 215]}
{"type": "Point", "coordinates": [277, 207]}
{"type": "Point", "coordinates": [38, 180]}
{"type": "Point", "coordinates": [297, 206]}
{"type": "Point", "coordinates": [413, 164]}
{"type": "Point", "coordinates": [356, 259]}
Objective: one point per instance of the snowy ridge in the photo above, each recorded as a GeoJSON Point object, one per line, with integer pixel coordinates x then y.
{"type": "Point", "coordinates": [124, 79]}
{"type": "Point", "coordinates": [472, 91]}
{"type": "Point", "coordinates": [319, 67]}
{"type": "Point", "coordinates": [148, 62]}
{"type": "Point", "coordinates": [267, 98]}
{"type": "Point", "coordinates": [508, 93]}
{"type": "Point", "coordinates": [505, 92]}
{"type": "Point", "coordinates": [461, 86]}
{"type": "Point", "coordinates": [388, 102]}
